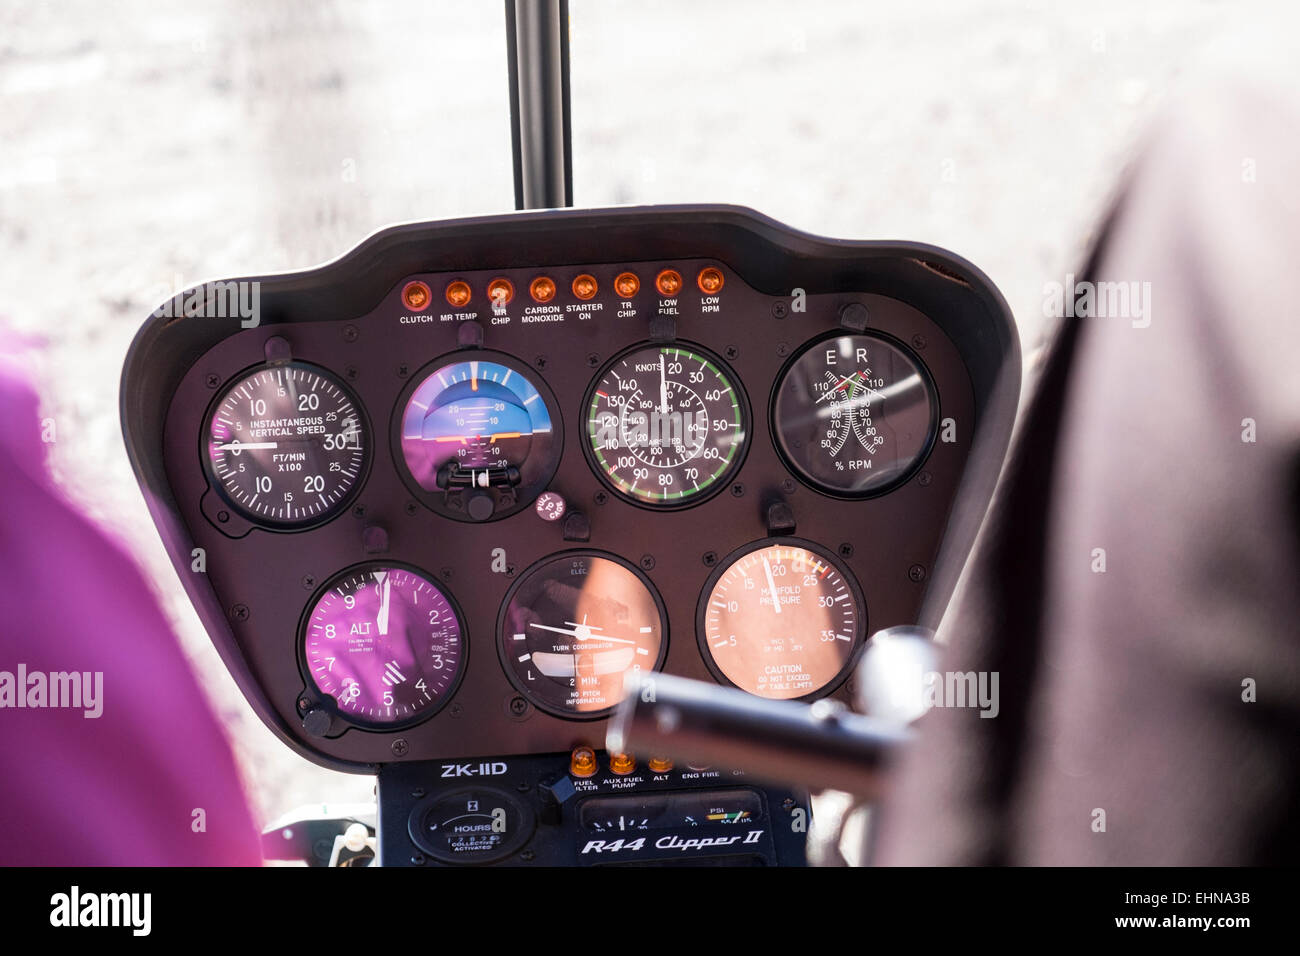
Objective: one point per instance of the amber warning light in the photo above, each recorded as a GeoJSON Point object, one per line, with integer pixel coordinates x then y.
{"type": "Point", "coordinates": [669, 282]}
{"type": "Point", "coordinates": [458, 294]}
{"type": "Point", "coordinates": [416, 296]}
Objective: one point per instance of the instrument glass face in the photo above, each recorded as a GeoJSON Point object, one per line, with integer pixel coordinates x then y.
{"type": "Point", "coordinates": [385, 643]}
{"type": "Point", "coordinates": [286, 445]}
{"type": "Point", "coordinates": [479, 426]}
{"type": "Point", "coordinates": [781, 620]}
{"type": "Point", "coordinates": [666, 424]}
{"type": "Point", "coordinates": [574, 626]}
{"type": "Point", "coordinates": [854, 415]}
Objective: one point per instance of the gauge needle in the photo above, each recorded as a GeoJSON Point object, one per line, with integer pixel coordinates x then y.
{"type": "Point", "coordinates": [663, 387]}
{"type": "Point", "coordinates": [771, 587]}
{"type": "Point", "coordinates": [580, 635]}
{"type": "Point", "coordinates": [383, 606]}
{"type": "Point", "coordinates": [248, 445]}
{"type": "Point", "coordinates": [836, 387]}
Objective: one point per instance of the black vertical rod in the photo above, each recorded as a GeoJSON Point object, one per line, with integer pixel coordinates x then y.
{"type": "Point", "coordinates": [537, 38]}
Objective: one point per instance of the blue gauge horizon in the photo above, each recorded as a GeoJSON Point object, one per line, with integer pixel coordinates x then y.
{"type": "Point", "coordinates": [478, 436]}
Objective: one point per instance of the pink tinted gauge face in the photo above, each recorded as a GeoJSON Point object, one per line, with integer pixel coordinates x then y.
{"type": "Point", "coordinates": [385, 643]}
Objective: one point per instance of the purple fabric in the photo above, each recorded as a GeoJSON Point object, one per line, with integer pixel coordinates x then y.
{"type": "Point", "coordinates": [122, 788]}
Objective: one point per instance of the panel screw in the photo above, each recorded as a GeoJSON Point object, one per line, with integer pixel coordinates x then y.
{"type": "Point", "coordinates": [303, 703]}
{"type": "Point", "coordinates": [788, 486]}
{"type": "Point", "coordinates": [223, 516]}
{"type": "Point", "coordinates": [710, 558]}
{"type": "Point", "coordinates": [212, 381]}
{"type": "Point", "coordinates": [527, 856]}
{"type": "Point", "coordinates": [308, 581]}
{"type": "Point", "coordinates": [540, 361]}
{"type": "Point", "coordinates": [647, 562]}
{"type": "Point", "coordinates": [411, 508]}
{"type": "Point", "coordinates": [417, 859]}
{"type": "Point", "coordinates": [417, 793]}
{"type": "Point", "coordinates": [593, 359]}
{"type": "Point", "coordinates": [779, 310]}
{"type": "Point", "coordinates": [518, 706]}
{"type": "Point", "coordinates": [456, 710]}
{"type": "Point", "coordinates": [510, 570]}
{"type": "Point", "coordinates": [447, 573]}
{"type": "Point", "coordinates": [239, 612]}
{"type": "Point", "coordinates": [600, 498]}
{"type": "Point", "coordinates": [846, 550]}
{"type": "Point", "coordinates": [737, 490]}
{"type": "Point", "coordinates": [351, 372]}
{"type": "Point", "coordinates": [403, 370]}
{"type": "Point", "coordinates": [400, 747]}
{"type": "Point", "coordinates": [787, 803]}
{"type": "Point", "coordinates": [350, 333]}
{"type": "Point", "coordinates": [916, 573]}
{"type": "Point", "coordinates": [359, 511]}
{"type": "Point", "coordinates": [924, 479]}
{"type": "Point", "coordinates": [731, 352]}
{"type": "Point", "coordinates": [782, 349]}
{"type": "Point", "coordinates": [918, 341]}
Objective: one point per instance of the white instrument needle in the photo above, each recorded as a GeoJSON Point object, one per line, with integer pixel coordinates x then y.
{"type": "Point", "coordinates": [581, 636]}
{"type": "Point", "coordinates": [383, 606]}
{"type": "Point", "coordinates": [663, 387]}
{"type": "Point", "coordinates": [835, 388]}
{"type": "Point", "coordinates": [771, 586]}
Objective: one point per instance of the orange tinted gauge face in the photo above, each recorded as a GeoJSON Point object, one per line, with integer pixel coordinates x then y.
{"type": "Point", "coordinates": [782, 621]}
{"type": "Point", "coordinates": [572, 629]}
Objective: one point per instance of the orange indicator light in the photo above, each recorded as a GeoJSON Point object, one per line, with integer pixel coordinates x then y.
{"type": "Point", "coordinates": [627, 284]}
{"type": "Point", "coordinates": [500, 292]}
{"type": "Point", "coordinates": [458, 294]}
{"type": "Point", "coordinates": [416, 296]}
{"type": "Point", "coordinates": [622, 763]}
{"type": "Point", "coordinates": [660, 764]}
{"type": "Point", "coordinates": [584, 287]}
{"type": "Point", "coordinates": [710, 280]}
{"type": "Point", "coordinates": [582, 763]}
{"type": "Point", "coordinates": [542, 289]}
{"type": "Point", "coordinates": [669, 282]}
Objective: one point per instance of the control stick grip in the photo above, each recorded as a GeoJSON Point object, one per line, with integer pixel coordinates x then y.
{"type": "Point", "coordinates": [818, 746]}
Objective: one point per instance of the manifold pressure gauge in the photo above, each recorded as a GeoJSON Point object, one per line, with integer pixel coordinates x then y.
{"type": "Point", "coordinates": [781, 619]}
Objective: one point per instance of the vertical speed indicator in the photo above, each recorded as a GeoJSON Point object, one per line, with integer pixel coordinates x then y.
{"type": "Point", "coordinates": [285, 445]}
{"type": "Point", "coordinates": [666, 425]}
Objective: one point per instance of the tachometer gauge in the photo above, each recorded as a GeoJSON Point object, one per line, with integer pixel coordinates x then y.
{"type": "Point", "coordinates": [854, 415]}
{"type": "Point", "coordinates": [666, 425]}
{"type": "Point", "coordinates": [385, 643]}
{"type": "Point", "coordinates": [478, 437]}
{"type": "Point", "coordinates": [781, 619]}
{"type": "Point", "coordinates": [574, 626]}
{"type": "Point", "coordinates": [285, 445]}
